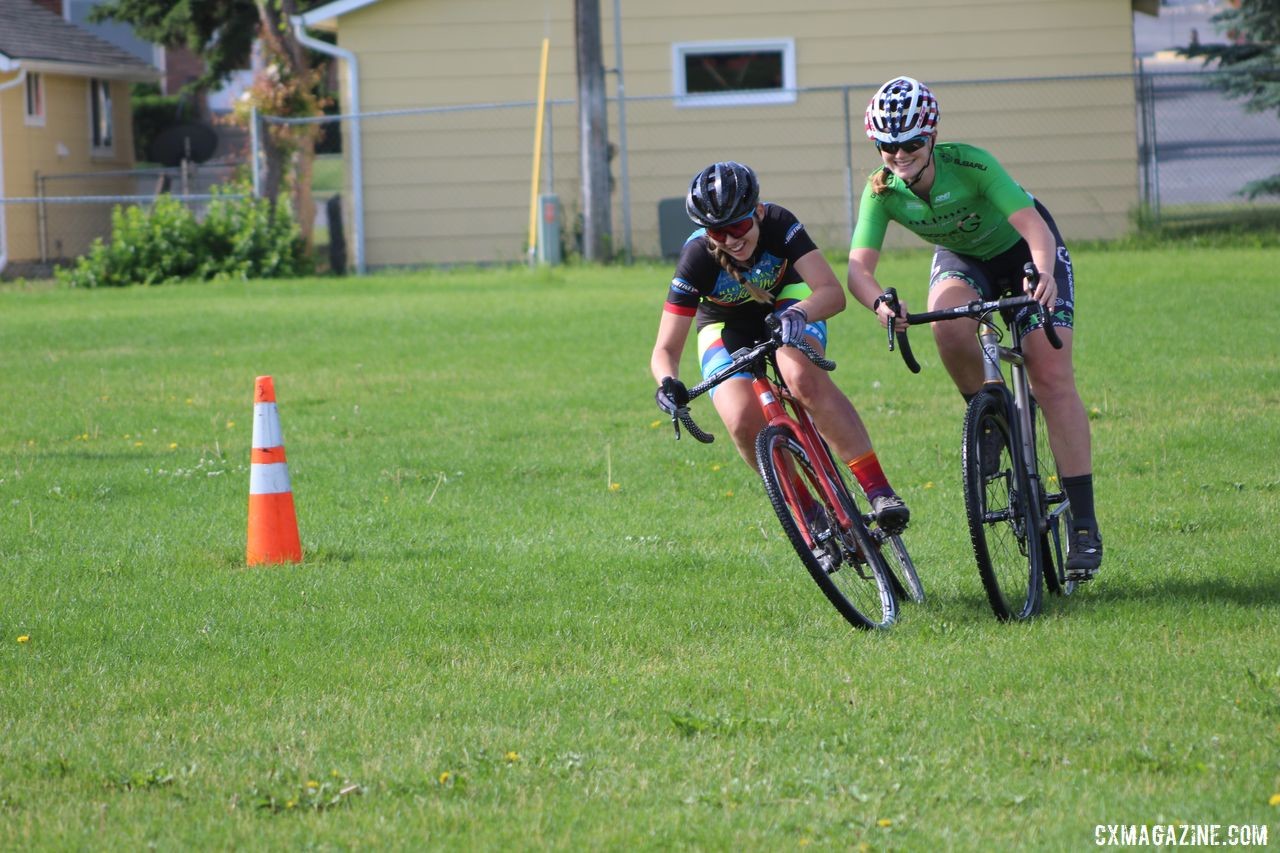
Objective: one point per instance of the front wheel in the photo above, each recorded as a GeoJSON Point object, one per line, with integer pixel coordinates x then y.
{"type": "Point", "coordinates": [1002, 519]}
{"type": "Point", "coordinates": [844, 563]}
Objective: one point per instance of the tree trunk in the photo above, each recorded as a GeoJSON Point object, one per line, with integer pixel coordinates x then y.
{"type": "Point", "coordinates": [277, 33]}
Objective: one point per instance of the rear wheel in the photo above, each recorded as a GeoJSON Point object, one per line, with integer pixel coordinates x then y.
{"type": "Point", "coordinates": [1002, 520]}
{"type": "Point", "coordinates": [844, 563]}
{"type": "Point", "coordinates": [1054, 508]}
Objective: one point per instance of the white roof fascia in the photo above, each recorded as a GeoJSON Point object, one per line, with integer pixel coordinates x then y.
{"type": "Point", "coordinates": [320, 16]}
{"type": "Point", "coordinates": [101, 72]}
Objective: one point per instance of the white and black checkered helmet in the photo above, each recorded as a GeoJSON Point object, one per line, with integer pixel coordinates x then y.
{"type": "Point", "coordinates": [902, 109]}
{"type": "Point", "coordinates": [722, 193]}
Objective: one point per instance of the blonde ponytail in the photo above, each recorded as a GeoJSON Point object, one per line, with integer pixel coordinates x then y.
{"type": "Point", "coordinates": [726, 261]}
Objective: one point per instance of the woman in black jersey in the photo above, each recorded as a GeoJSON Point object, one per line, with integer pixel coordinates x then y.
{"type": "Point", "coordinates": [746, 261]}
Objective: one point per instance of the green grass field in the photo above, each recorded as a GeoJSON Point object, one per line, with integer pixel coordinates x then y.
{"type": "Point", "coordinates": [527, 618]}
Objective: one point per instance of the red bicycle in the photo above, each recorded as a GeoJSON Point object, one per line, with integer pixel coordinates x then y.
{"type": "Point", "coordinates": [860, 568]}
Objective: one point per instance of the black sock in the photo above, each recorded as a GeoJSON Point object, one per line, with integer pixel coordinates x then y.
{"type": "Point", "coordinates": [1080, 492]}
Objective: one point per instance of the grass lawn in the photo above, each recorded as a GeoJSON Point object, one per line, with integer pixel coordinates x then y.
{"type": "Point", "coordinates": [527, 618]}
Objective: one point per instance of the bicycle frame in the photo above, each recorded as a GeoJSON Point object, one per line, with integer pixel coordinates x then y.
{"type": "Point", "coordinates": [774, 397]}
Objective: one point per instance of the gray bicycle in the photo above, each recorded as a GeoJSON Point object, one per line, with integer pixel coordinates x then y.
{"type": "Point", "coordinates": [1017, 510]}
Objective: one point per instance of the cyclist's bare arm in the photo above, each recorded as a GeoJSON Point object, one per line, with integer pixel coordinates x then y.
{"type": "Point", "coordinates": [1031, 225]}
{"type": "Point", "coordinates": [673, 332]}
{"type": "Point", "coordinates": [866, 288]}
{"type": "Point", "coordinates": [827, 298]}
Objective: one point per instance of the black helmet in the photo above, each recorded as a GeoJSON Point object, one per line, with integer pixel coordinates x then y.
{"type": "Point", "coordinates": [722, 193]}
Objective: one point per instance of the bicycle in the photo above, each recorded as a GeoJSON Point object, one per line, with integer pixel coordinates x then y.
{"type": "Point", "coordinates": [1017, 511]}
{"type": "Point", "coordinates": [862, 569]}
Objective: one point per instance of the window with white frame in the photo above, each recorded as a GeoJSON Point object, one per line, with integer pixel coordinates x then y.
{"type": "Point", "coordinates": [100, 116]}
{"type": "Point", "coordinates": [34, 111]}
{"type": "Point", "coordinates": [725, 73]}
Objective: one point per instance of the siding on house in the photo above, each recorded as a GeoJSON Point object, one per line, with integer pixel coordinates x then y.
{"type": "Point", "coordinates": [62, 145]}
{"type": "Point", "coordinates": [455, 187]}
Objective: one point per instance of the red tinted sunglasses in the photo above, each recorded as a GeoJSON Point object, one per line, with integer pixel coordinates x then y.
{"type": "Point", "coordinates": [732, 231]}
{"type": "Point", "coordinates": [911, 146]}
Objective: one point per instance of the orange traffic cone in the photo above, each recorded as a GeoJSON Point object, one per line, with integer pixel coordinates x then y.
{"type": "Point", "coordinates": [273, 526]}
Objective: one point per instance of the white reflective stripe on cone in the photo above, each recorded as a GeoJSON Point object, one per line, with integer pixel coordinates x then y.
{"type": "Point", "coordinates": [266, 426]}
{"type": "Point", "coordinates": [270, 478]}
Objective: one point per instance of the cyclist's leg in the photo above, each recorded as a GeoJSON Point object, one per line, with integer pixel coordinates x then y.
{"type": "Point", "coordinates": [1052, 376]}
{"type": "Point", "coordinates": [957, 280]}
{"type": "Point", "coordinates": [841, 425]}
{"type": "Point", "coordinates": [734, 400]}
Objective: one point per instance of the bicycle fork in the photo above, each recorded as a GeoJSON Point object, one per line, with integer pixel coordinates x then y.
{"type": "Point", "coordinates": [775, 413]}
{"type": "Point", "coordinates": [1021, 424]}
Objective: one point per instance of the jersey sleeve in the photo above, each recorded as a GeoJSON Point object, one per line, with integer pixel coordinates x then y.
{"type": "Point", "coordinates": [796, 242]}
{"type": "Point", "coordinates": [999, 186]}
{"type": "Point", "coordinates": [683, 295]}
{"type": "Point", "coordinates": [873, 222]}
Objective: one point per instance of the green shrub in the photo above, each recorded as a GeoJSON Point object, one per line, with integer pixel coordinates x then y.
{"type": "Point", "coordinates": [238, 237]}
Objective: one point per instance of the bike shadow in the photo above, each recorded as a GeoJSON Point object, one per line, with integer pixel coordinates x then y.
{"type": "Point", "coordinates": [1260, 592]}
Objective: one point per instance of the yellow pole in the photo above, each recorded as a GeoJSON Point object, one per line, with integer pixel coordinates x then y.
{"type": "Point", "coordinates": [537, 149]}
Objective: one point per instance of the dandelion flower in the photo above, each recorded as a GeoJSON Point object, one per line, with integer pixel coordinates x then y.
{"type": "Point", "coordinates": [445, 777]}
{"type": "Point", "coordinates": [173, 445]}
{"type": "Point", "coordinates": [729, 493]}
{"type": "Point", "coordinates": [715, 467]}
{"type": "Point", "coordinates": [1274, 801]}
{"type": "Point", "coordinates": [313, 784]}
{"type": "Point", "coordinates": [513, 757]}
{"type": "Point", "coordinates": [656, 424]}
{"type": "Point", "coordinates": [613, 487]}
{"type": "Point", "coordinates": [26, 639]}
{"type": "Point", "coordinates": [334, 773]}
{"type": "Point", "coordinates": [290, 804]}
{"type": "Point", "coordinates": [231, 424]}
{"type": "Point", "coordinates": [929, 485]}
{"type": "Point", "coordinates": [884, 821]}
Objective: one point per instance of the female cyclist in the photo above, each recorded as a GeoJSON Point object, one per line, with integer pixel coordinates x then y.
{"type": "Point", "coordinates": [746, 261]}
{"type": "Point", "coordinates": [985, 227]}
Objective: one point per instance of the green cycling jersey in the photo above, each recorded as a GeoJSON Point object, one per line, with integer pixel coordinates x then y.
{"type": "Point", "coordinates": [967, 210]}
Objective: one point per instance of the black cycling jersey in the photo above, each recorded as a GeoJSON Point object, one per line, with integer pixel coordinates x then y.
{"type": "Point", "coordinates": [702, 287]}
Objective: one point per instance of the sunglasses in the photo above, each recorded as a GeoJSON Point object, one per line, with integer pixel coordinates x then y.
{"type": "Point", "coordinates": [911, 146]}
{"type": "Point", "coordinates": [732, 231]}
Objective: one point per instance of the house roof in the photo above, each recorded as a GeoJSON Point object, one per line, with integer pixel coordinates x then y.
{"type": "Point", "coordinates": [34, 38]}
{"type": "Point", "coordinates": [323, 16]}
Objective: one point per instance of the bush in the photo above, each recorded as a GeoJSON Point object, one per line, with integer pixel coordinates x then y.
{"type": "Point", "coordinates": [238, 237]}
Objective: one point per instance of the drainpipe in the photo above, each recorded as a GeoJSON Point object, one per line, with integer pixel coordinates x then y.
{"type": "Point", "coordinates": [357, 167]}
{"type": "Point", "coordinates": [4, 242]}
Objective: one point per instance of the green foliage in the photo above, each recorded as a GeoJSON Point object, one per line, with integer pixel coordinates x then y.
{"type": "Point", "coordinates": [238, 237]}
{"type": "Point", "coordinates": [152, 113]}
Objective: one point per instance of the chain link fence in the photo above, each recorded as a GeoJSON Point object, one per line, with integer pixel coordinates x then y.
{"type": "Point", "coordinates": [452, 185]}
{"type": "Point", "coordinates": [455, 184]}
{"type": "Point", "coordinates": [68, 211]}
{"type": "Point", "coordinates": [1198, 147]}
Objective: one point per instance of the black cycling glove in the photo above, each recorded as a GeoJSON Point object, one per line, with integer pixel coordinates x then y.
{"type": "Point", "coordinates": [671, 395]}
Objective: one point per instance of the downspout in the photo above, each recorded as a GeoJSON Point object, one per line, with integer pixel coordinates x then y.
{"type": "Point", "coordinates": [4, 233]}
{"type": "Point", "coordinates": [357, 157]}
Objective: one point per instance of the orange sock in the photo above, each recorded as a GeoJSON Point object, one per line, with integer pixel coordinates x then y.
{"type": "Point", "coordinates": [866, 469]}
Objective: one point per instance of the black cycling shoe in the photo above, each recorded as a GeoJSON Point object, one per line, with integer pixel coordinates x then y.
{"type": "Point", "coordinates": [890, 513]}
{"type": "Point", "coordinates": [1084, 555]}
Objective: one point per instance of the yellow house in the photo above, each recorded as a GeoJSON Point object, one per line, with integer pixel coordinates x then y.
{"type": "Point", "coordinates": [64, 109]}
{"type": "Point", "coordinates": [1046, 85]}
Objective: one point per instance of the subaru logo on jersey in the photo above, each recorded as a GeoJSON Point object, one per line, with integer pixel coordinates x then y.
{"type": "Point", "coordinates": [792, 232]}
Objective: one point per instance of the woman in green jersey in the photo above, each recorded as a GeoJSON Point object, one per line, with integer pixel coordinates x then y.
{"type": "Point", "coordinates": [984, 228]}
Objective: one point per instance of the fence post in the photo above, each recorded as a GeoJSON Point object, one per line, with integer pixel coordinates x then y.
{"type": "Point", "coordinates": [42, 223]}
{"type": "Point", "coordinates": [255, 152]}
{"type": "Point", "coordinates": [848, 165]}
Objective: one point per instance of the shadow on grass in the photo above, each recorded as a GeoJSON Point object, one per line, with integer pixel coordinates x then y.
{"type": "Point", "coordinates": [1258, 593]}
